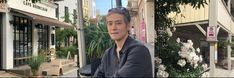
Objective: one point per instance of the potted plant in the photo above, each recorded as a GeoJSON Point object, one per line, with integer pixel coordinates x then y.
{"type": "Point", "coordinates": [35, 62]}
{"type": "Point", "coordinates": [97, 41]}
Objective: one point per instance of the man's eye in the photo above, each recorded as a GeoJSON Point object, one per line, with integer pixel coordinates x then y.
{"type": "Point", "coordinates": [109, 24]}
{"type": "Point", "coordinates": [118, 23]}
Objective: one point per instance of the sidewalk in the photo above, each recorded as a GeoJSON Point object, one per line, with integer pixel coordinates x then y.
{"type": "Point", "coordinates": [4, 74]}
{"type": "Point", "coordinates": [220, 72]}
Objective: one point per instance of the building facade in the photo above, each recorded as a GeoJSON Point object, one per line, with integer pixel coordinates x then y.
{"type": "Point", "coordinates": [142, 19]}
{"type": "Point", "coordinates": [89, 9]}
{"type": "Point", "coordinates": [26, 29]}
{"type": "Point", "coordinates": [192, 24]}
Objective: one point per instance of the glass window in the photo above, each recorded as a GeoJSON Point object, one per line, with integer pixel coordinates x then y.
{"type": "Point", "coordinates": [66, 10]}
{"type": "Point", "coordinates": [74, 16]}
{"type": "Point", "coordinates": [52, 39]}
{"type": "Point", "coordinates": [57, 10]}
{"type": "Point", "coordinates": [22, 40]}
{"type": "Point", "coordinates": [43, 37]}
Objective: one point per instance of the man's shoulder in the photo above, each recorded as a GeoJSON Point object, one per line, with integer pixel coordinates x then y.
{"type": "Point", "coordinates": [134, 44]}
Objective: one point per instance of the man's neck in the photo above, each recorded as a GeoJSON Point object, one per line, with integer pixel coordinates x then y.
{"type": "Point", "coordinates": [120, 43]}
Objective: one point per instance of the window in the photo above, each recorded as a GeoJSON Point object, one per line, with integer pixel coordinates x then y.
{"type": "Point", "coordinates": [22, 43]}
{"type": "Point", "coordinates": [66, 11]}
{"type": "Point", "coordinates": [52, 39]}
{"type": "Point", "coordinates": [43, 37]}
{"type": "Point", "coordinates": [57, 10]}
{"type": "Point", "coordinates": [74, 16]}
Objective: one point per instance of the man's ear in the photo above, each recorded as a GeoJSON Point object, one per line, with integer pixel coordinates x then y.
{"type": "Point", "coordinates": [128, 26]}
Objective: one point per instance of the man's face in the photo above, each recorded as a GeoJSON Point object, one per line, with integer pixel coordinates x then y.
{"type": "Point", "coordinates": [116, 26]}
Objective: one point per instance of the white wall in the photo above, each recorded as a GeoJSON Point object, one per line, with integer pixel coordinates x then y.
{"type": "Point", "coordinates": [7, 42]}
{"type": "Point", "coordinates": [149, 19]}
{"type": "Point", "coordinates": [18, 4]}
{"type": "Point", "coordinates": [92, 9]}
{"type": "Point", "coordinates": [224, 17]}
{"type": "Point", "coordinates": [71, 4]}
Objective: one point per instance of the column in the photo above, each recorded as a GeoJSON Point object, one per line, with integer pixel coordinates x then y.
{"type": "Point", "coordinates": [7, 37]}
{"type": "Point", "coordinates": [213, 17]}
{"type": "Point", "coordinates": [229, 52]}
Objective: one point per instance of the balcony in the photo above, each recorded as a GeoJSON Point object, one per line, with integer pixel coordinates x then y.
{"type": "Point", "coordinates": [189, 14]}
{"type": "Point", "coordinates": [132, 7]}
{"type": "Point", "coordinates": [3, 6]}
{"type": "Point", "coordinates": [225, 17]}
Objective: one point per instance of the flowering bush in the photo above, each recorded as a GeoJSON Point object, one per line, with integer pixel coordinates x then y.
{"type": "Point", "coordinates": [179, 59]}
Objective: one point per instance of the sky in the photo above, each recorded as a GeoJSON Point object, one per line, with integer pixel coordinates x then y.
{"type": "Point", "coordinates": [104, 5]}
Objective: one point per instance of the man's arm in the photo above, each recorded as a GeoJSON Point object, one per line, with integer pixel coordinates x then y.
{"type": "Point", "coordinates": [100, 70]}
{"type": "Point", "coordinates": [138, 64]}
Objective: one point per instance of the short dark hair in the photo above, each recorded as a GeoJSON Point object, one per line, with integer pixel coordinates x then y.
{"type": "Point", "coordinates": [121, 10]}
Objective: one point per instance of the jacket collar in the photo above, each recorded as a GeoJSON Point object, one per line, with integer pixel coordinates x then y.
{"type": "Point", "coordinates": [127, 43]}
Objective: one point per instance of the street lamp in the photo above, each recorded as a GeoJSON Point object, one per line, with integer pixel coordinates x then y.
{"type": "Point", "coordinates": [118, 3]}
{"type": "Point", "coordinates": [80, 36]}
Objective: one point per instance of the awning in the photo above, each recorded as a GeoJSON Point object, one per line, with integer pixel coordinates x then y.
{"type": "Point", "coordinates": [43, 19]}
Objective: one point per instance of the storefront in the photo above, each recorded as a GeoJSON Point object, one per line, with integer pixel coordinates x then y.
{"type": "Point", "coordinates": [29, 29]}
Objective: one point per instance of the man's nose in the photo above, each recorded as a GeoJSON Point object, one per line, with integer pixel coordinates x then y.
{"type": "Point", "coordinates": [114, 27]}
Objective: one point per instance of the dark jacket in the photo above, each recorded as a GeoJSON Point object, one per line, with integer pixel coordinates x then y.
{"type": "Point", "coordinates": [135, 61]}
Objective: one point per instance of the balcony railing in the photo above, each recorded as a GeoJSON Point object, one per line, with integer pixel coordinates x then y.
{"type": "Point", "coordinates": [189, 14]}
{"type": "Point", "coordinates": [3, 5]}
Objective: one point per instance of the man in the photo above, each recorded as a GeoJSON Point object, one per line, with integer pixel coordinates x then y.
{"type": "Point", "coordinates": [127, 57]}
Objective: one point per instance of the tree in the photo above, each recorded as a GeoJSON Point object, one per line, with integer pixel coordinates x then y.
{"type": "Point", "coordinates": [165, 48]}
{"type": "Point", "coordinates": [163, 8]}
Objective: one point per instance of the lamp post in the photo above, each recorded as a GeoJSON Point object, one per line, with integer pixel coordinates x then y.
{"type": "Point", "coordinates": [118, 3]}
{"type": "Point", "coordinates": [80, 35]}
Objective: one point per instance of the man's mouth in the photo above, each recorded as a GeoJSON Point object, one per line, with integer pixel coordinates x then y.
{"type": "Point", "coordinates": [115, 33]}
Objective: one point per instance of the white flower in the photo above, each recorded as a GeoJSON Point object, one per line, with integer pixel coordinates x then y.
{"type": "Point", "coordinates": [158, 60]}
{"type": "Point", "coordinates": [168, 30]}
{"type": "Point", "coordinates": [183, 52]}
{"type": "Point", "coordinates": [162, 73]}
{"type": "Point", "coordinates": [204, 66]}
{"type": "Point", "coordinates": [198, 50]}
{"type": "Point", "coordinates": [206, 74]}
{"type": "Point", "coordinates": [195, 59]}
{"type": "Point", "coordinates": [178, 40]}
{"type": "Point", "coordinates": [190, 57]}
{"type": "Point", "coordinates": [190, 42]}
{"type": "Point", "coordinates": [195, 65]}
{"type": "Point", "coordinates": [187, 45]}
{"type": "Point", "coordinates": [161, 67]}
{"type": "Point", "coordinates": [200, 58]}
{"type": "Point", "coordinates": [174, 29]}
{"type": "Point", "coordinates": [181, 62]}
